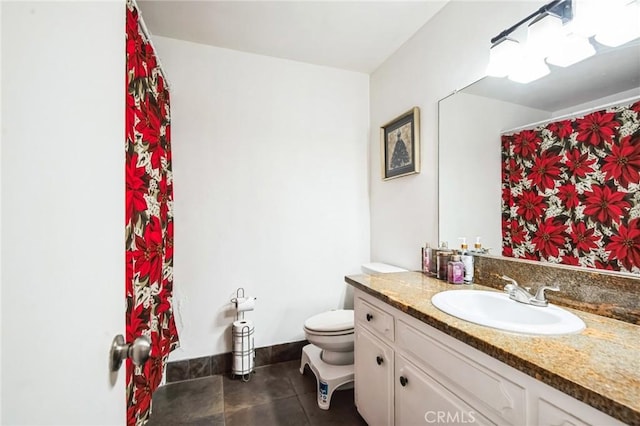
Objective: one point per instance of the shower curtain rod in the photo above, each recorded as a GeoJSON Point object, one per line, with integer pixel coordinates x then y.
{"type": "Point", "coordinates": [571, 115]}
{"type": "Point", "coordinates": [147, 35]}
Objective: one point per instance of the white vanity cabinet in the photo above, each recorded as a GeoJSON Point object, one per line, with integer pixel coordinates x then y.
{"type": "Point", "coordinates": [408, 373]}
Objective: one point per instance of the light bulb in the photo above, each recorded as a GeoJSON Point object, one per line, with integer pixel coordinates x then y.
{"type": "Point", "coordinates": [543, 34]}
{"type": "Point", "coordinates": [623, 25]}
{"type": "Point", "coordinates": [587, 15]}
{"type": "Point", "coordinates": [503, 54]}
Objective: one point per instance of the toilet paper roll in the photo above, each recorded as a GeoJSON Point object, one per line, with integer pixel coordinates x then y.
{"type": "Point", "coordinates": [244, 304]}
{"type": "Point", "coordinates": [242, 332]}
{"type": "Point", "coordinates": [243, 347]}
{"type": "Point", "coordinates": [244, 326]}
{"type": "Point", "coordinates": [242, 364]}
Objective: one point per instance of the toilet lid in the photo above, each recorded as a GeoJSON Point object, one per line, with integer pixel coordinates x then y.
{"type": "Point", "coordinates": [338, 320]}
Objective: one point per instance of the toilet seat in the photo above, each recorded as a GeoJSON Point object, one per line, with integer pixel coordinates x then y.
{"type": "Point", "coordinates": [331, 323]}
{"type": "Point", "coordinates": [329, 333]}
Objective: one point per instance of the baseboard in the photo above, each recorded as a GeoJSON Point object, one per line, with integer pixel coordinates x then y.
{"type": "Point", "coordinates": [195, 368]}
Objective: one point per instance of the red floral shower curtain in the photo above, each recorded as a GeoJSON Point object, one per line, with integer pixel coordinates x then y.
{"type": "Point", "coordinates": [571, 191]}
{"type": "Point", "coordinates": [149, 217]}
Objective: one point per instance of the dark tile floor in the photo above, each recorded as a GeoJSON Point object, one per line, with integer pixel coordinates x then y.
{"type": "Point", "coordinates": [276, 395]}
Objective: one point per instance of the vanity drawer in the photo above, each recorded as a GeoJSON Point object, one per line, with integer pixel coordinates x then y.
{"type": "Point", "coordinates": [495, 396]}
{"type": "Point", "coordinates": [374, 319]}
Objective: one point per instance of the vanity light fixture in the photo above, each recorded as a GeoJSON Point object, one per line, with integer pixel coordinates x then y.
{"type": "Point", "coordinates": [558, 34]}
{"type": "Point", "coordinates": [524, 62]}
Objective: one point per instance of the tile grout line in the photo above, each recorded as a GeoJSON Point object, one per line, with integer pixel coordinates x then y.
{"type": "Point", "coordinates": [306, 415]}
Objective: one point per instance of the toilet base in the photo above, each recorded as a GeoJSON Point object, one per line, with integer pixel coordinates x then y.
{"type": "Point", "coordinates": [328, 377]}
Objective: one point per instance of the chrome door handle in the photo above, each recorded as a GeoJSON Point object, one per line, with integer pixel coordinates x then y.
{"type": "Point", "coordinates": [138, 351]}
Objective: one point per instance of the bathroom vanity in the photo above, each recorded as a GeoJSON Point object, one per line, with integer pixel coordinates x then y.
{"type": "Point", "coordinates": [417, 365]}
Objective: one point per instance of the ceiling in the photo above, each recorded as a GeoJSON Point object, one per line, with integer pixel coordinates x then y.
{"type": "Point", "coordinates": [351, 35]}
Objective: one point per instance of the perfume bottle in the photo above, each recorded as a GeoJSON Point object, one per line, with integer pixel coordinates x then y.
{"type": "Point", "coordinates": [455, 270]}
{"type": "Point", "coordinates": [444, 256]}
{"type": "Point", "coordinates": [426, 259]}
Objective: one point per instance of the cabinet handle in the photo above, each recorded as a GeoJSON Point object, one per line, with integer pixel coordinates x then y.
{"type": "Point", "coordinates": [379, 360]}
{"type": "Point", "coordinates": [369, 317]}
{"type": "Point", "coordinates": [403, 381]}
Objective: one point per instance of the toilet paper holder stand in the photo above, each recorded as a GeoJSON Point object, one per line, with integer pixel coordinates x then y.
{"type": "Point", "coordinates": [242, 338]}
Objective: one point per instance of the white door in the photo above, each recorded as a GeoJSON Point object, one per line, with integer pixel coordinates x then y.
{"type": "Point", "coordinates": [62, 165]}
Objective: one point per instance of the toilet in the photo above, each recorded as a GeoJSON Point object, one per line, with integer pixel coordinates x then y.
{"type": "Point", "coordinates": [329, 353]}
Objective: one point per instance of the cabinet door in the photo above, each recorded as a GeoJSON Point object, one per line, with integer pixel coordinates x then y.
{"type": "Point", "coordinates": [421, 400]}
{"type": "Point", "coordinates": [373, 379]}
{"type": "Point", "coordinates": [556, 409]}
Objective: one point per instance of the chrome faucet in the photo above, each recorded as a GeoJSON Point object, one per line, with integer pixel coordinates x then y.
{"type": "Point", "coordinates": [522, 295]}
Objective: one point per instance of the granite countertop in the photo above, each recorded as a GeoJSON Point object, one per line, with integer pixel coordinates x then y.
{"type": "Point", "coordinates": [599, 366]}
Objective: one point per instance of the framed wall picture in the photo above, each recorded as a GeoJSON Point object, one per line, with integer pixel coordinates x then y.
{"type": "Point", "coordinates": [400, 145]}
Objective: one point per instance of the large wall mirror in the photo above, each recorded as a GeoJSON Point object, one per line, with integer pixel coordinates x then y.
{"type": "Point", "coordinates": [472, 120]}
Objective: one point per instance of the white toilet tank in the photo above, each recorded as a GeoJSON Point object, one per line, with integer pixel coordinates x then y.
{"type": "Point", "coordinates": [380, 268]}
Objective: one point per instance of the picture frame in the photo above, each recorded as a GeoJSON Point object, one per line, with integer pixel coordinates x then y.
{"type": "Point", "coordinates": [400, 145]}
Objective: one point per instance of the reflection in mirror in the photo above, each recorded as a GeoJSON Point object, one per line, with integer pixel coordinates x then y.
{"type": "Point", "coordinates": [472, 120]}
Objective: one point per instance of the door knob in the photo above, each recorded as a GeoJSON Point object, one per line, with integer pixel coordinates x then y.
{"type": "Point", "coordinates": [369, 317]}
{"type": "Point", "coordinates": [403, 381]}
{"type": "Point", "coordinates": [379, 360]}
{"type": "Point", "coordinates": [138, 351]}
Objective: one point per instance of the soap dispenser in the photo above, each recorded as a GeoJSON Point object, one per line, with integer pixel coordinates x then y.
{"type": "Point", "coordinates": [463, 245]}
{"type": "Point", "coordinates": [477, 246]}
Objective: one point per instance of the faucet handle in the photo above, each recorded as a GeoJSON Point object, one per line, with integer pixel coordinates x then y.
{"type": "Point", "coordinates": [540, 299]}
{"type": "Point", "coordinates": [511, 280]}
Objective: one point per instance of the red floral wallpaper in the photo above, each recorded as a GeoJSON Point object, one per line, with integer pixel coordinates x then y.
{"type": "Point", "coordinates": [571, 191]}
{"type": "Point", "coordinates": [149, 218]}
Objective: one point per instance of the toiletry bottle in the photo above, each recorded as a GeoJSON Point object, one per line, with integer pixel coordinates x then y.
{"type": "Point", "coordinates": [455, 270]}
{"type": "Point", "coordinates": [444, 255]}
{"type": "Point", "coordinates": [463, 244]}
{"type": "Point", "coordinates": [477, 246]}
{"type": "Point", "coordinates": [433, 263]}
{"type": "Point", "coordinates": [426, 259]}
{"type": "Point", "coordinates": [467, 261]}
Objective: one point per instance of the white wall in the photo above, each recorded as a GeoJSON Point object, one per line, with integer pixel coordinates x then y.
{"type": "Point", "coordinates": [470, 166]}
{"type": "Point", "coordinates": [448, 53]}
{"type": "Point", "coordinates": [270, 168]}
{"type": "Point", "coordinates": [62, 211]}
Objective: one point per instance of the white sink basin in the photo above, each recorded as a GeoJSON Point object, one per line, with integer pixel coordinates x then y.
{"type": "Point", "coordinates": [496, 310]}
